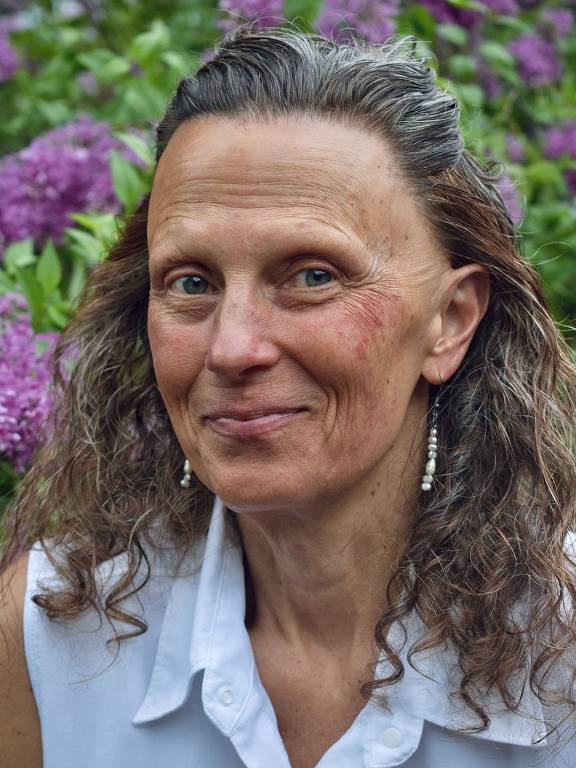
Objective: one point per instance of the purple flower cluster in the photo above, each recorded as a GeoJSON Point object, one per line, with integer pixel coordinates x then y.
{"type": "Point", "coordinates": [65, 170]}
{"type": "Point", "coordinates": [561, 140]}
{"type": "Point", "coordinates": [9, 59]}
{"type": "Point", "coordinates": [537, 61]}
{"type": "Point", "coordinates": [514, 148]}
{"type": "Point", "coordinates": [373, 19]}
{"type": "Point", "coordinates": [25, 398]}
{"type": "Point", "coordinates": [558, 20]}
{"type": "Point", "coordinates": [512, 198]}
{"type": "Point", "coordinates": [267, 13]}
{"type": "Point", "coordinates": [446, 13]}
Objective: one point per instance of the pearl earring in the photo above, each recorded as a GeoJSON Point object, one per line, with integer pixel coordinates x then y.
{"type": "Point", "coordinates": [185, 482]}
{"type": "Point", "coordinates": [428, 478]}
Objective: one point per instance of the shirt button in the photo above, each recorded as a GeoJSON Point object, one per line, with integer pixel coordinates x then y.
{"type": "Point", "coordinates": [225, 697]}
{"type": "Point", "coordinates": [392, 737]}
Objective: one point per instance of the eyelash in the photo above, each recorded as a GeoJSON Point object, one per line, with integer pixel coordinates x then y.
{"type": "Point", "coordinates": [317, 269]}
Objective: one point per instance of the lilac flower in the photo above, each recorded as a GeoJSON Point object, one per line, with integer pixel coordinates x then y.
{"type": "Point", "coordinates": [558, 20]}
{"type": "Point", "coordinates": [374, 20]}
{"type": "Point", "coordinates": [512, 198]}
{"type": "Point", "coordinates": [9, 59]}
{"type": "Point", "coordinates": [267, 13]}
{"type": "Point", "coordinates": [65, 170]}
{"type": "Point", "coordinates": [488, 79]}
{"type": "Point", "coordinates": [536, 59]}
{"type": "Point", "coordinates": [514, 148]}
{"type": "Point", "coordinates": [25, 397]}
{"type": "Point", "coordinates": [445, 13]}
{"type": "Point", "coordinates": [560, 140]}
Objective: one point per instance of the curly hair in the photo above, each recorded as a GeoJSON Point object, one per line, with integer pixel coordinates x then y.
{"type": "Point", "coordinates": [492, 533]}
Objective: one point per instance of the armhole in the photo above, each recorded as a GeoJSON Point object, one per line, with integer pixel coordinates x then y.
{"type": "Point", "coordinates": [30, 621]}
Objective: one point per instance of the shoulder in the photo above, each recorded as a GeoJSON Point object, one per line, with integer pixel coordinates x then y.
{"type": "Point", "coordinates": [19, 725]}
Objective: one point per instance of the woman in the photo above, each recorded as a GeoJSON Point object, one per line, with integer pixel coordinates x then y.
{"type": "Point", "coordinates": [310, 487]}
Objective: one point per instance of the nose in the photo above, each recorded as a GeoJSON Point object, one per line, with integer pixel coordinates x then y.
{"type": "Point", "coordinates": [240, 342]}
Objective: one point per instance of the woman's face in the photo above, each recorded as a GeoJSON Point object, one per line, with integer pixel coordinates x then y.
{"type": "Point", "coordinates": [293, 305]}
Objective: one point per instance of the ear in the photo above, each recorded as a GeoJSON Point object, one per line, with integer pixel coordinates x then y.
{"type": "Point", "coordinates": [463, 303]}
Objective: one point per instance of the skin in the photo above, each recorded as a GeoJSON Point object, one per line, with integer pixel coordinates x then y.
{"type": "Point", "coordinates": [243, 211]}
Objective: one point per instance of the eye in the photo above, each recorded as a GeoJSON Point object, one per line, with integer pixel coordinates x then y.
{"type": "Point", "coordinates": [312, 278]}
{"type": "Point", "coordinates": [193, 285]}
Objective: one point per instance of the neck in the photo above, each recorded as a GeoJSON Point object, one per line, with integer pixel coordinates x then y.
{"type": "Point", "coordinates": [317, 578]}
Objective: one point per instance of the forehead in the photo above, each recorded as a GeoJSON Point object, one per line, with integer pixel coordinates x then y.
{"type": "Point", "coordinates": [281, 170]}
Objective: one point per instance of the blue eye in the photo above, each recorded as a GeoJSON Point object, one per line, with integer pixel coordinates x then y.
{"type": "Point", "coordinates": [193, 284]}
{"type": "Point", "coordinates": [316, 277]}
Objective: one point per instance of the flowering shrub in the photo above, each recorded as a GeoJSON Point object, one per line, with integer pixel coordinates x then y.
{"type": "Point", "coordinates": [83, 94]}
{"type": "Point", "coordinates": [374, 21]}
{"type": "Point", "coordinates": [25, 398]}
{"type": "Point", "coordinates": [64, 171]}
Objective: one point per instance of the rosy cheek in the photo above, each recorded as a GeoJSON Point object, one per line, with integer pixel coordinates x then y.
{"type": "Point", "coordinates": [373, 319]}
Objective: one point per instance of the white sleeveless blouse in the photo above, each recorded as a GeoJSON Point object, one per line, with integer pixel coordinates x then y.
{"type": "Point", "coordinates": [186, 693]}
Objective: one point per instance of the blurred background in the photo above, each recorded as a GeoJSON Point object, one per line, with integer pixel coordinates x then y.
{"type": "Point", "coordinates": [82, 85]}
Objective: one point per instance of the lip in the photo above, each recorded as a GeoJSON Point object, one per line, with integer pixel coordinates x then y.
{"type": "Point", "coordinates": [239, 422]}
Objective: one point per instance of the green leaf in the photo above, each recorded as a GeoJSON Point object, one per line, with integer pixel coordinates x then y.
{"type": "Point", "coordinates": [102, 225]}
{"type": "Point", "coordinates": [6, 284]}
{"type": "Point", "coordinates": [77, 277]}
{"type": "Point", "coordinates": [143, 100]}
{"type": "Point", "coordinates": [127, 183]}
{"type": "Point", "coordinates": [496, 54]}
{"type": "Point", "coordinates": [468, 4]}
{"type": "Point", "coordinates": [453, 34]}
{"type": "Point", "coordinates": [34, 294]}
{"type": "Point", "coordinates": [48, 269]}
{"type": "Point", "coordinates": [57, 316]}
{"type": "Point", "coordinates": [151, 44]}
{"type": "Point", "coordinates": [114, 70]}
{"type": "Point", "coordinates": [471, 96]}
{"type": "Point", "coordinates": [462, 67]}
{"type": "Point", "coordinates": [54, 111]}
{"type": "Point", "coordinates": [177, 62]}
{"type": "Point", "coordinates": [544, 173]}
{"type": "Point", "coordinates": [138, 146]}
{"type": "Point", "coordinates": [96, 60]}
{"type": "Point", "coordinates": [305, 10]}
{"type": "Point", "coordinates": [85, 245]}
{"type": "Point", "coordinates": [19, 254]}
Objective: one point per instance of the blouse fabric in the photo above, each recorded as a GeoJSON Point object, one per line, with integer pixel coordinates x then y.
{"type": "Point", "coordinates": [187, 694]}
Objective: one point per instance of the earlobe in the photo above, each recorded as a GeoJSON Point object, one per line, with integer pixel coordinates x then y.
{"type": "Point", "coordinates": [464, 303]}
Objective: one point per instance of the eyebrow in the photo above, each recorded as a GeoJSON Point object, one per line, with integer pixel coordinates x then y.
{"type": "Point", "coordinates": [313, 242]}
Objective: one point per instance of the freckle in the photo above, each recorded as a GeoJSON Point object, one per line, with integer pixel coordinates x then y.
{"type": "Point", "coordinates": [372, 493]}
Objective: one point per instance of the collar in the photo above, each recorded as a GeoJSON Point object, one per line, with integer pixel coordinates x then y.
{"type": "Point", "coordinates": [203, 629]}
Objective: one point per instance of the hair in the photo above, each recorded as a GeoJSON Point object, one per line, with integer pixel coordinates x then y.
{"type": "Point", "coordinates": [490, 537]}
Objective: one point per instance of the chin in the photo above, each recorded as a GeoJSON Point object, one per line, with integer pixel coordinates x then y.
{"type": "Point", "coordinates": [259, 491]}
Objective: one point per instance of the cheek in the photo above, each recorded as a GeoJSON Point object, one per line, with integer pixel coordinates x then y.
{"type": "Point", "coordinates": [376, 324]}
{"type": "Point", "coordinates": [381, 363]}
{"type": "Point", "coordinates": [178, 353]}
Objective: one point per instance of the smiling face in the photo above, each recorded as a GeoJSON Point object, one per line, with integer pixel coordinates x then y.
{"type": "Point", "coordinates": [294, 302]}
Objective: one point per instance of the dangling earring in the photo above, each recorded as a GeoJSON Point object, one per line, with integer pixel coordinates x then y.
{"type": "Point", "coordinates": [428, 478]}
{"type": "Point", "coordinates": [185, 482]}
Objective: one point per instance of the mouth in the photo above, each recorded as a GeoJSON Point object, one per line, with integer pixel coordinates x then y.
{"type": "Point", "coordinates": [246, 423]}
